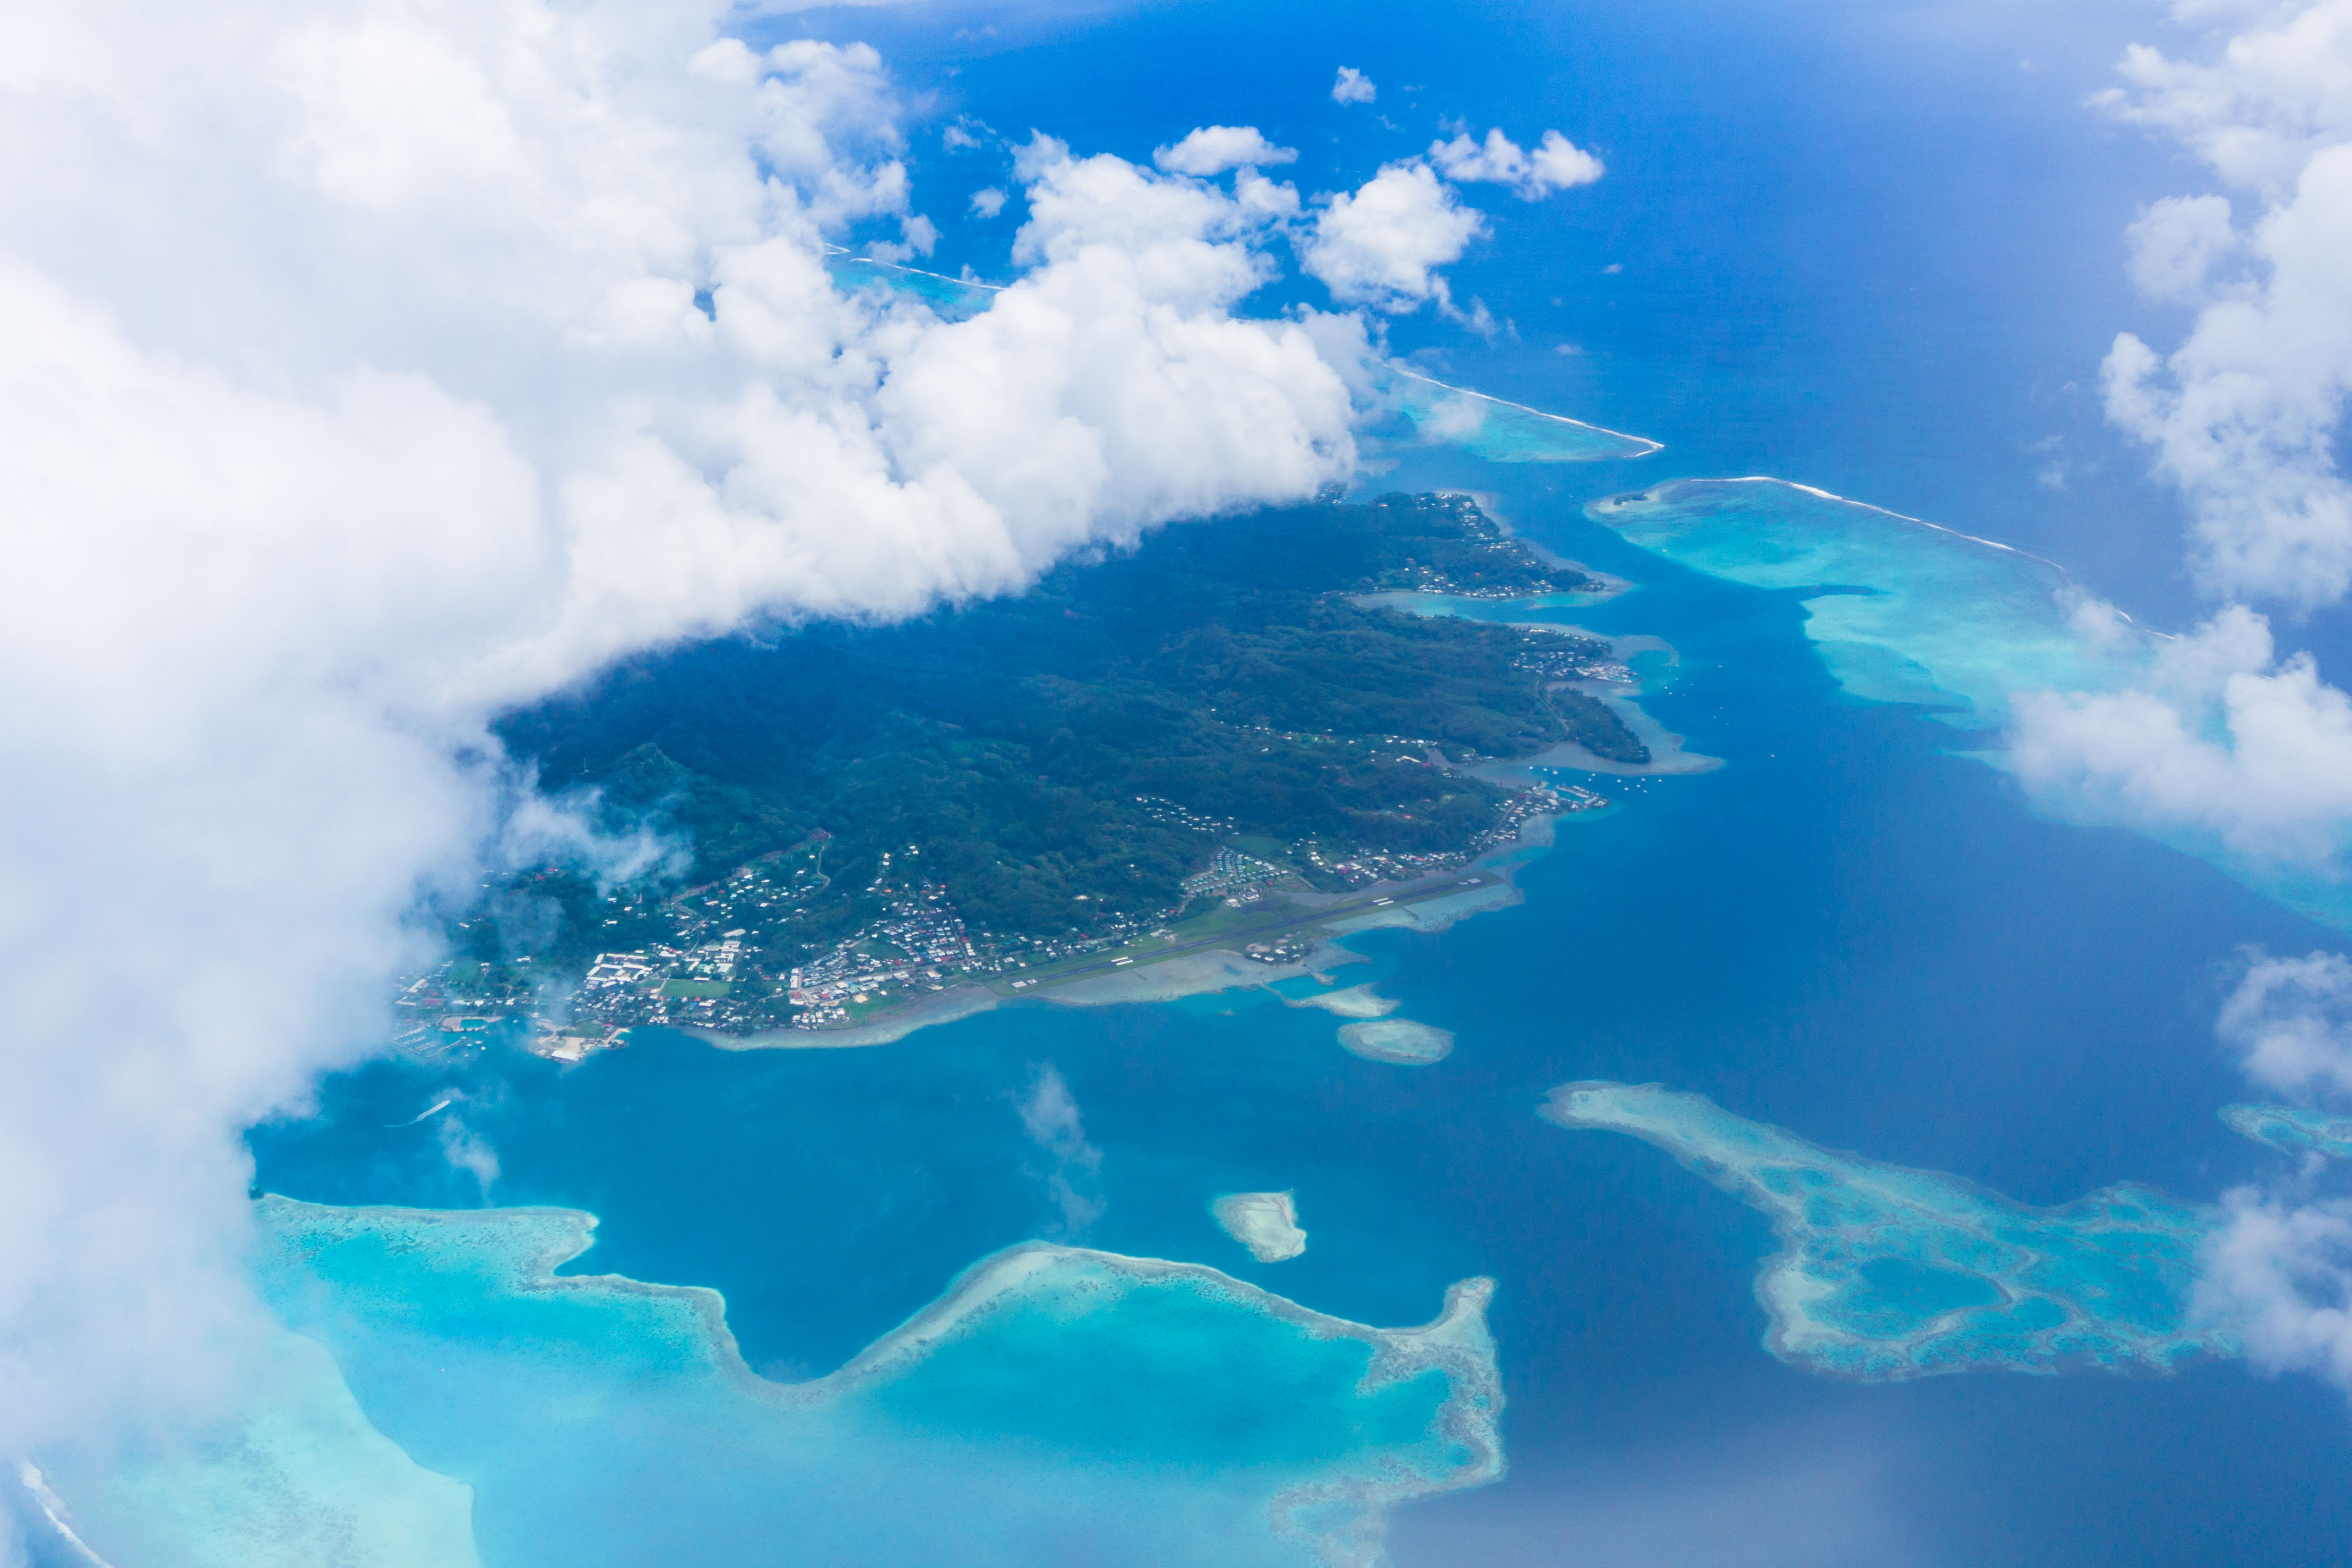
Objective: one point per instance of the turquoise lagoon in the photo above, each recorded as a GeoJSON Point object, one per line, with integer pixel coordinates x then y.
{"type": "Point", "coordinates": [1899, 610]}
{"type": "Point", "coordinates": [1056, 1402]}
{"type": "Point", "coordinates": [952, 298]}
{"type": "Point", "coordinates": [1906, 611]}
{"type": "Point", "coordinates": [1886, 1273]}
{"type": "Point", "coordinates": [2292, 1130]}
{"type": "Point", "coordinates": [1944, 998]}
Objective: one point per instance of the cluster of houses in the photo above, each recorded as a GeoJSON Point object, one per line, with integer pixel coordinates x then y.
{"type": "Point", "coordinates": [1232, 875]}
{"type": "Point", "coordinates": [926, 947]}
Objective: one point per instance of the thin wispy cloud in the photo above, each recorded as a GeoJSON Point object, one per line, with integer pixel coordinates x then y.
{"type": "Point", "coordinates": [1050, 1120]}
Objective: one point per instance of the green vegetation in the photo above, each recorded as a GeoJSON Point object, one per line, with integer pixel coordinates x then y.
{"type": "Point", "coordinates": [1220, 671]}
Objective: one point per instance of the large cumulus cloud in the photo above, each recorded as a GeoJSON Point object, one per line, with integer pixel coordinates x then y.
{"type": "Point", "coordinates": [370, 366]}
{"type": "Point", "coordinates": [2244, 413]}
{"type": "Point", "coordinates": [2280, 1265]}
{"type": "Point", "coordinates": [2232, 742]}
{"type": "Point", "coordinates": [2229, 743]}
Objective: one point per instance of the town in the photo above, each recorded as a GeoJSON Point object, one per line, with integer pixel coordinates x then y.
{"type": "Point", "coordinates": [732, 957]}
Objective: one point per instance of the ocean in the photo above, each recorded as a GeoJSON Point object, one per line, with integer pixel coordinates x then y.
{"type": "Point", "coordinates": [1850, 931]}
{"type": "Point", "coordinates": [1853, 930]}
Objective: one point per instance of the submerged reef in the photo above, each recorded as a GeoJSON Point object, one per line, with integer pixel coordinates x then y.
{"type": "Point", "coordinates": [1159, 1413]}
{"type": "Point", "coordinates": [1399, 1041]}
{"type": "Point", "coordinates": [298, 1479]}
{"type": "Point", "coordinates": [2292, 1130]}
{"type": "Point", "coordinates": [1886, 1273]}
{"type": "Point", "coordinates": [1906, 611]}
{"type": "Point", "coordinates": [1901, 610]}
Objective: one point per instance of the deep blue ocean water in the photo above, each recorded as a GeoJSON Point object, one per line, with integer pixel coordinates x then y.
{"type": "Point", "coordinates": [1859, 252]}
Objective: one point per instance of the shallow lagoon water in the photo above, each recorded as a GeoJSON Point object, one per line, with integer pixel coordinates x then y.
{"type": "Point", "coordinates": [1055, 1400]}
{"type": "Point", "coordinates": [1899, 610]}
{"type": "Point", "coordinates": [1904, 611]}
{"type": "Point", "coordinates": [1886, 1273]}
{"type": "Point", "coordinates": [2292, 1130]}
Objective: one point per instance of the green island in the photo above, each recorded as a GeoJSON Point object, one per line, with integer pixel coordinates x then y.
{"type": "Point", "coordinates": [1222, 741]}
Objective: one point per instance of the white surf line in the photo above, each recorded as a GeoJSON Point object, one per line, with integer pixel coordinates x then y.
{"type": "Point", "coordinates": [916, 272]}
{"type": "Point", "coordinates": [424, 1113]}
{"type": "Point", "coordinates": [53, 1508]}
{"type": "Point", "coordinates": [1883, 512]}
{"type": "Point", "coordinates": [1557, 418]}
{"type": "Point", "coordinates": [1939, 528]}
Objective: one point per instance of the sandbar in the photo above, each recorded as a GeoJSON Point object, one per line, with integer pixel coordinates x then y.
{"type": "Point", "coordinates": [1353, 1002]}
{"type": "Point", "coordinates": [1266, 1222]}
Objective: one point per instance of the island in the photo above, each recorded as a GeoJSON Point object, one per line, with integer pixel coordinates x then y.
{"type": "Point", "coordinates": [1209, 756]}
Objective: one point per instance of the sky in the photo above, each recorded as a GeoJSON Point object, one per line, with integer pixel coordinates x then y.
{"type": "Point", "coordinates": [374, 368]}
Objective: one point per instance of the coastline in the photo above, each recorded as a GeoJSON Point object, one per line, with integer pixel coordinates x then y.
{"type": "Point", "coordinates": [939, 1008]}
{"type": "Point", "coordinates": [1667, 755]}
{"type": "Point", "coordinates": [1432, 905]}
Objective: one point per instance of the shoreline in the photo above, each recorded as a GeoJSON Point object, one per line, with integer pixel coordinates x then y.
{"type": "Point", "coordinates": [1667, 755]}
{"type": "Point", "coordinates": [1432, 904]}
{"type": "Point", "coordinates": [1211, 970]}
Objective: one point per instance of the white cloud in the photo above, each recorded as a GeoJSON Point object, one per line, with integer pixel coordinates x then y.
{"type": "Point", "coordinates": [2174, 244]}
{"type": "Point", "coordinates": [2280, 1268]}
{"type": "Point", "coordinates": [1381, 244]}
{"type": "Point", "coordinates": [2277, 94]}
{"type": "Point", "coordinates": [1049, 1115]}
{"type": "Point", "coordinates": [2245, 413]}
{"type": "Point", "coordinates": [988, 201]}
{"type": "Point", "coordinates": [356, 389]}
{"type": "Point", "coordinates": [918, 236]}
{"type": "Point", "coordinates": [2230, 742]}
{"type": "Point", "coordinates": [2289, 1020]}
{"type": "Point", "coordinates": [1353, 85]}
{"type": "Point", "coordinates": [1556, 164]}
{"type": "Point", "coordinates": [2226, 741]}
{"type": "Point", "coordinates": [1213, 148]}
{"type": "Point", "coordinates": [470, 1152]}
